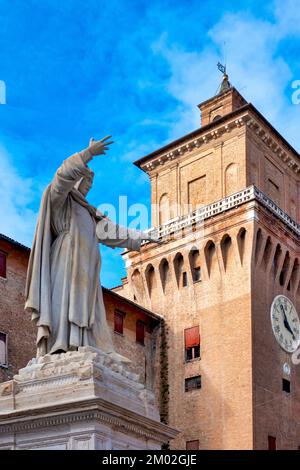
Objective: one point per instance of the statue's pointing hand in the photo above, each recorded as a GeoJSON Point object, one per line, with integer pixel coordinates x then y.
{"type": "Point", "coordinates": [99, 147]}
{"type": "Point", "coordinates": [151, 238]}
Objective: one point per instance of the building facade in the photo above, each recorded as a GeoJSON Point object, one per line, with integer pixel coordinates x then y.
{"type": "Point", "coordinates": [17, 333]}
{"type": "Point", "coordinates": [136, 333]}
{"type": "Point", "coordinates": [225, 204]}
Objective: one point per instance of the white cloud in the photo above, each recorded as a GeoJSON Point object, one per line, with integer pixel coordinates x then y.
{"type": "Point", "coordinates": [254, 64]}
{"type": "Point", "coordinates": [287, 16]}
{"type": "Point", "coordinates": [16, 193]}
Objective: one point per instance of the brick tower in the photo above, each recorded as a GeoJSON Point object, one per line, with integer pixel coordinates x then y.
{"type": "Point", "coordinates": [225, 202]}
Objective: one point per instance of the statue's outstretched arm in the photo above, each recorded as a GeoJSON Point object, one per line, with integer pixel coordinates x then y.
{"type": "Point", "coordinates": [118, 236]}
{"type": "Point", "coordinates": [73, 169]}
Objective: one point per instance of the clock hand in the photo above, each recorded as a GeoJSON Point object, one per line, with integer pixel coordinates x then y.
{"type": "Point", "coordinates": [286, 323]}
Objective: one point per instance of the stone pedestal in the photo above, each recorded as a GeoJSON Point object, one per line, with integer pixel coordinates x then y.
{"type": "Point", "coordinates": [84, 399]}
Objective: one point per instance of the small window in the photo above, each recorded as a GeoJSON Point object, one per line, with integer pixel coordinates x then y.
{"type": "Point", "coordinates": [192, 353]}
{"type": "Point", "coordinates": [286, 386]}
{"type": "Point", "coordinates": [184, 279]}
{"type": "Point", "coordinates": [2, 264]}
{"type": "Point", "coordinates": [197, 274]}
{"type": "Point", "coordinates": [140, 332]}
{"type": "Point", "coordinates": [192, 383]}
{"type": "Point", "coordinates": [271, 443]}
{"type": "Point", "coordinates": [192, 343]}
{"type": "Point", "coordinates": [3, 349]}
{"type": "Point", "coordinates": [119, 322]}
{"type": "Point", "coordinates": [192, 445]}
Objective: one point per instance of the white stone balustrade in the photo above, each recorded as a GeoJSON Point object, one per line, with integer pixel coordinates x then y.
{"type": "Point", "coordinates": [250, 193]}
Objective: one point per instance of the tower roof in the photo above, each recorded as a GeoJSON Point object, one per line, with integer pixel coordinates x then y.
{"type": "Point", "coordinates": [225, 85]}
{"type": "Point", "coordinates": [247, 108]}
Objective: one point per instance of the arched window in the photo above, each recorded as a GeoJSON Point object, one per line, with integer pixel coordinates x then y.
{"type": "Point", "coordinates": [276, 259]}
{"type": "Point", "coordinates": [138, 285]}
{"type": "Point", "coordinates": [295, 275]}
{"type": "Point", "coordinates": [210, 256]}
{"type": "Point", "coordinates": [267, 252]}
{"type": "Point", "coordinates": [231, 179]}
{"type": "Point", "coordinates": [226, 249]}
{"type": "Point", "coordinates": [258, 244]}
{"type": "Point", "coordinates": [284, 270]}
{"type": "Point", "coordinates": [164, 209]}
{"type": "Point", "coordinates": [164, 272]}
{"type": "Point", "coordinates": [178, 267]}
{"type": "Point", "coordinates": [194, 257]}
{"type": "Point", "coordinates": [150, 278]}
{"type": "Point", "coordinates": [241, 238]}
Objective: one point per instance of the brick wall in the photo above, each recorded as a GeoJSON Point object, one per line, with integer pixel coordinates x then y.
{"type": "Point", "coordinates": [143, 357]}
{"type": "Point", "coordinates": [13, 320]}
{"type": "Point", "coordinates": [275, 412]}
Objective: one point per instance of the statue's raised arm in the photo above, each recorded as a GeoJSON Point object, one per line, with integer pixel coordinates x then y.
{"type": "Point", "coordinates": [63, 291]}
{"type": "Point", "coordinates": [75, 174]}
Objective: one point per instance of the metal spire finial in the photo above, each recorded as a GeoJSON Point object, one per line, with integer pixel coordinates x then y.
{"type": "Point", "coordinates": [225, 85]}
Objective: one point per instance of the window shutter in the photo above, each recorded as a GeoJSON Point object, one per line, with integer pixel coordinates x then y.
{"type": "Point", "coordinates": [2, 348]}
{"type": "Point", "coordinates": [140, 332]}
{"type": "Point", "coordinates": [119, 318]}
{"type": "Point", "coordinates": [192, 445]}
{"type": "Point", "coordinates": [271, 443]}
{"type": "Point", "coordinates": [192, 337]}
{"type": "Point", "coordinates": [192, 383]}
{"type": "Point", "coordinates": [2, 264]}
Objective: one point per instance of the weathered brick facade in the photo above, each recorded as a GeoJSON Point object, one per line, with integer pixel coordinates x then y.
{"type": "Point", "coordinates": [13, 321]}
{"type": "Point", "coordinates": [143, 357]}
{"type": "Point", "coordinates": [232, 243]}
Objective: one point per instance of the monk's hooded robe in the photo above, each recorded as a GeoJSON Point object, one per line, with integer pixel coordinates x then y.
{"type": "Point", "coordinates": [63, 291]}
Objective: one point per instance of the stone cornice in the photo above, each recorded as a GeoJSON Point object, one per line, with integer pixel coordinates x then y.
{"type": "Point", "coordinates": [247, 114]}
{"type": "Point", "coordinates": [83, 385]}
{"type": "Point", "coordinates": [196, 142]}
{"type": "Point", "coordinates": [266, 137]}
{"type": "Point", "coordinates": [86, 410]}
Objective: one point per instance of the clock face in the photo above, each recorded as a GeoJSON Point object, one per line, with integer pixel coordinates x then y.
{"type": "Point", "coordinates": [285, 323]}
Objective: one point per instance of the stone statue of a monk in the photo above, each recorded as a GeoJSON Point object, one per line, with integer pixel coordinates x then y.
{"type": "Point", "coordinates": [63, 291]}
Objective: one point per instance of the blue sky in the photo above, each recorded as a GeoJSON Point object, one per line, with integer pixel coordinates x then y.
{"type": "Point", "coordinates": [133, 69]}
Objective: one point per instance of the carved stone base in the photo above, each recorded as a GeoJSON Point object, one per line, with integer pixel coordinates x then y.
{"type": "Point", "coordinates": [84, 399]}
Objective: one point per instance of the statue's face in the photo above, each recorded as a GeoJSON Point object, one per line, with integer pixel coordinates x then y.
{"type": "Point", "coordinates": [86, 185]}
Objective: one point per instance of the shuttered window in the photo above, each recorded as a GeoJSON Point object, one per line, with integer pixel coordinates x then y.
{"type": "Point", "coordinates": [192, 383]}
{"type": "Point", "coordinates": [192, 445]}
{"type": "Point", "coordinates": [197, 274]}
{"type": "Point", "coordinates": [119, 321]}
{"type": "Point", "coordinates": [140, 332]}
{"type": "Point", "coordinates": [192, 343]}
{"type": "Point", "coordinates": [271, 443]}
{"type": "Point", "coordinates": [192, 337]}
{"type": "Point", "coordinates": [3, 348]}
{"type": "Point", "coordinates": [2, 264]}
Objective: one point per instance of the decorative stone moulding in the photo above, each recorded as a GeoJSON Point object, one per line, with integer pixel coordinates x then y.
{"type": "Point", "coordinates": [209, 135]}
{"type": "Point", "coordinates": [194, 143]}
{"type": "Point", "coordinates": [84, 399]}
{"type": "Point", "coordinates": [273, 145]}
